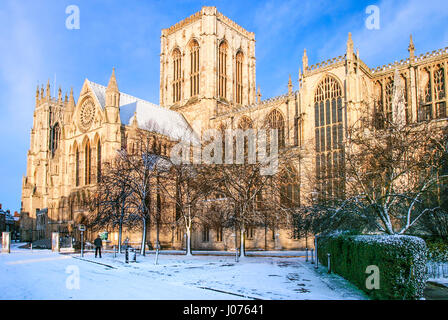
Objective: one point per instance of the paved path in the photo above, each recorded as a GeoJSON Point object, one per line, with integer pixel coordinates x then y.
{"type": "Point", "coordinates": [436, 291]}
{"type": "Point", "coordinates": [42, 274]}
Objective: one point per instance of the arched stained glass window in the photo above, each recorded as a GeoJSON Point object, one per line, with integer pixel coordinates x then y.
{"type": "Point", "coordinates": [177, 75]}
{"type": "Point", "coordinates": [239, 78]}
{"type": "Point", "coordinates": [222, 70]}
{"type": "Point", "coordinates": [329, 137]}
{"type": "Point", "coordinates": [87, 162]}
{"type": "Point", "coordinates": [275, 120]}
{"type": "Point", "coordinates": [194, 68]}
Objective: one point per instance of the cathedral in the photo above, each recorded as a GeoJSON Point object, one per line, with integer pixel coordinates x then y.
{"type": "Point", "coordinates": [208, 76]}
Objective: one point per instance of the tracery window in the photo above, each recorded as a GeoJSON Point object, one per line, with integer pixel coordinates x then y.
{"type": "Point", "coordinates": [98, 161]}
{"type": "Point", "coordinates": [245, 123]}
{"type": "Point", "coordinates": [76, 166]}
{"type": "Point", "coordinates": [274, 120]}
{"type": "Point", "coordinates": [329, 139]}
{"type": "Point", "coordinates": [219, 232]}
{"type": "Point", "coordinates": [194, 68]}
{"type": "Point", "coordinates": [433, 104]}
{"type": "Point", "coordinates": [222, 70]}
{"type": "Point", "coordinates": [205, 234]}
{"type": "Point", "coordinates": [239, 78]}
{"type": "Point", "coordinates": [289, 188]}
{"type": "Point", "coordinates": [87, 161]}
{"type": "Point", "coordinates": [177, 75]}
{"type": "Point", "coordinates": [439, 93]}
{"type": "Point", "coordinates": [55, 136]}
{"type": "Point", "coordinates": [388, 97]}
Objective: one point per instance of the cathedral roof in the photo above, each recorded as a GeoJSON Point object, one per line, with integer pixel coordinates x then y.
{"type": "Point", "coordinates": [149, 115]}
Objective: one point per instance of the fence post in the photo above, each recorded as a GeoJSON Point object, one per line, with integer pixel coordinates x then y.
{"type": "Point", "coordinates": [306, 253]}
{"type": "Point", "coordinates": [6, 242]}
{"type": "Point", "coordinates": [55, 245]}
{"type": "Point", "coordinates": [312, 256]}
{"type": "Point", "coordinates": [315, 247]}
{"type": "Point", "coordinates": [329, 263]}
{"type": "Point", "coordinates": [126, 255]}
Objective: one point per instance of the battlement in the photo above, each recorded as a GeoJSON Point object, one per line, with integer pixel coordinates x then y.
{"type": "Point", "coordinates": [207, 11]}
{"type": "Point", "coordinates": [326, 63]}
{"type": "Point", "coordinates": [418, 59]}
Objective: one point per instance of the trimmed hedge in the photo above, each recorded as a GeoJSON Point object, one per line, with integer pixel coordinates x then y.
{"type": "Point", "coordinates": [401, 261]}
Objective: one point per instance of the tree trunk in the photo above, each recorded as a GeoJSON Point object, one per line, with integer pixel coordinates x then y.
{"type": "Point", "coordinates": [188, 241]}
{"type": "Point", "coordinates": [157, 233]}
{"type": "Point", "coordinates": [143, 245]}
{"type": "Point", "coordinates": [243, 249]}
{"type": "Point", "coordinates": [120, 232]}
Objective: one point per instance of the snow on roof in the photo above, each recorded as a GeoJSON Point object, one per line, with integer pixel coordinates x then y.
{"type": "Point", "coordinates": [149, 115]}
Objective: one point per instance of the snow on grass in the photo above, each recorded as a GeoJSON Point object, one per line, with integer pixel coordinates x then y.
{"type": "Point", "coordinates": [41, 274]}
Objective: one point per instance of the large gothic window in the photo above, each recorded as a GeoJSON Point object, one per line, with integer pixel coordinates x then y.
{"type": "Point", "coordinates": [88, 158]}
{"type": "Point", "coordinates": [239, 78]}
{"type": "Point", "coordinates": [388, 97]}
{"type": "Point", "coordinates": [194, 68]}
{"type": "Point", "coordinates": [177, 75]}
{"type": "Point", "coordinates": [439, 93]}
{"type": "Point", "coordinates": [76, 166]}
{"type": "Point", "coordinates": [98, 161]}
{"type": "Point", "coordinates": [274, 120]}
{"type": "Point", "coordinates": [289, 188]}
{"type": "Point", "coordinates": [433, 101]}
{"type": "Point", "coordinates": [55, 136]}
{"type": "Point", "coordinates": [222, 70]}
{"type": "Point", "coordinates": [328, 134]}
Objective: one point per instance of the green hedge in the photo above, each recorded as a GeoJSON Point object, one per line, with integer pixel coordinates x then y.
{"type": "Point", "coordinates": [401, 261]}
{"type": "Point", "coordinates": [437, 251]}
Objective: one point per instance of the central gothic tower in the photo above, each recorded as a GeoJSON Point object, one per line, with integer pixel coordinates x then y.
{"type": "Point", "coordinates": [207, 66]}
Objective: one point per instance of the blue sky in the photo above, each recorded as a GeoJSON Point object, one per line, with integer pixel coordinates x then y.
{"type": "Point", "coordinates": [35, 46]}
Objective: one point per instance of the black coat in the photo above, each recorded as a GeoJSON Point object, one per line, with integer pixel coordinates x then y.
{"type": "Point", "coordinates": [98, 242]}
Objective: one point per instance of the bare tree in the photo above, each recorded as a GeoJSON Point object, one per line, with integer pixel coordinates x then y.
{"type": "Point", "coordinates": [111, 202]}
{"type": "Point", "coordinates": [185, 185]}
{"type": "Point", "coordinates": [388, 173]}
{"type": "Point", "coordinates": [144, 164]}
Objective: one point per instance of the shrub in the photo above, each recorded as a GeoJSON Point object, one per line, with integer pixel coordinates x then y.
{"type": "Point", "coordinates": [437, 251]}
{"type": "Point", "coordinates": [401, 261]}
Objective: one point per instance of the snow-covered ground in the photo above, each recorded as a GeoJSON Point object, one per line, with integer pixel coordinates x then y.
{"type": "Point", "coordinates": [42, 274]}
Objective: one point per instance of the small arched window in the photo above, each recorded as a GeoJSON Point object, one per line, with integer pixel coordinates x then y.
{"type": "Point", "coordinates": [177, 75]}
{"type": "Point", "coordinates": [222, 70]}
{"type": "Point", "coordinates": [194, 68]}
{"type": "Point", "coordinates": [245, 123]}
{"type": "Point", "coordinates": [239, 78]}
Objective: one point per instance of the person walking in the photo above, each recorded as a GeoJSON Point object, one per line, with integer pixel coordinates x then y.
{"type": "Point", "coordinates": [98, 244]}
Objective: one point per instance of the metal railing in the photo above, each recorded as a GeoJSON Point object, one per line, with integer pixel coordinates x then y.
{"type": "Point", "coordinates": [437, 270]}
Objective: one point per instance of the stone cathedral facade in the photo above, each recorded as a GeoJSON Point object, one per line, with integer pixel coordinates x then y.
{"type": "Point", "coordinates": [208, 76]}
